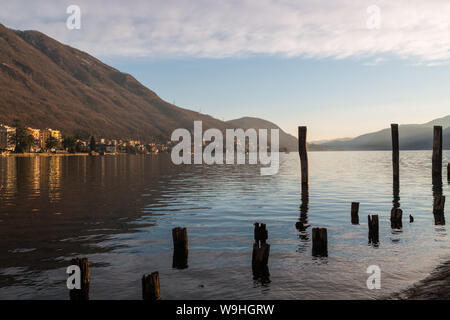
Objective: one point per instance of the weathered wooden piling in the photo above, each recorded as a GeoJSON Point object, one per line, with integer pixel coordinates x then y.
{"type": "Point", "coordinates": [320, 242]}
{"type": "Point", "coordinates": [261, 250]}
{"type": "Point", "coordinates": [411, 219]}
{"type": "Point", "coordinates": [180, 248]}
{"type": "Point", "coordinates": [396, 218]}
{"type": "Point", "coordinates": [448, 172]}
{"type": "Point", "coordinates": [303, 152]}
{"type": "Point", "coordinates": [261, 234]}
{"type": "Point", "coordinates": [437, 153]}
{"type": "Point", "coordinates": [438, 210]}
{"type": "Point", "coordinates": [374, 237]}
{"type": "Point", "coordinates": [439, 205]}
{"type": "Point", "coordinates": [302, 224]}
{"type": "Point", "coordinates": [355, 212]}
{"type": "Point", "coordinates": [260, 256]}
{"type": "Point", "coordinates": [395, 153]}
{"type": "Point", "coordinates": [150, 287]}
{"type": "Point", "coordinates": [83, 292]}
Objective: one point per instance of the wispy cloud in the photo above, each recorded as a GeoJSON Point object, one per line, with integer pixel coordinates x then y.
{"type": "Point", "coordinates": [410, 29]}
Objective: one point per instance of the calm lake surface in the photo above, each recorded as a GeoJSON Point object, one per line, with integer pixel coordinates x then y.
{"type": "Point", "coordinates": [119, 212]}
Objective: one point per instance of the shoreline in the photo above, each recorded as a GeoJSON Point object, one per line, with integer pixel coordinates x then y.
{"type": "Point", "coordinates": [30, 155]}
{"type": "Point", "coordinates": [436, 286]}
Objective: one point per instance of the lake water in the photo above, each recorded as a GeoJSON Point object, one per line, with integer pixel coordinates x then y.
{"type": "Point", "coordinates": [119, 212]}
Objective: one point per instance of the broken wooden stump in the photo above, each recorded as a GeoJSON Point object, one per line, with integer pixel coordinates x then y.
{"type": "Point", "coordinates": [411, 219]}
{"type": "Point", "coordinates": [319, 242]}
{"type": "Point", "coordinates": [261, 250]}
{"type": "Point", "coordinates": [439, 219]}
{"type": "Point", "coordinates": [83, 292]}
{"type": "Point", "coordinates": [180, 248]}
{"type": "Point", "coordinates": [355, 212]}
{"type": "Point", "coordinates": [374, 237]}
{"type": "Point", "coordinates": [150, 287]}
{"type": "Point", "coordinates": [260, 256]}
{"type": "Point", "coordinates": [396, 218]}
{"type": "Point", "coordinates": [261, 234]}
{"type": "Point", "coordinates": [437, 153]}
{"type": "Point", "coordinates": [303, 152]}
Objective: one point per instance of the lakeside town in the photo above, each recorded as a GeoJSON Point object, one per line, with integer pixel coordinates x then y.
{"type": "Point", "coordinates": [19, 139]}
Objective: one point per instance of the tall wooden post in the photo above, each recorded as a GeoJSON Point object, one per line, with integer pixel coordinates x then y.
{"type": "Point", "coordinates": [448, 172]}
{"type": "Point", "coordinates": [302, 150]}
{"type": "Point", "coordinates": [83, 293]}
{"type": "Point", "coordinates": [438, 210]}
{"type": "Point", "coordinates": [150, 287]}
{"type": "Point", "coordinates": [396, 218]}
{"type": "Point", "coordinates": [437, 153]}
{"type": "Point", "coordinates": [355, 212]}
{"type": "Point", "coordinates": [180, 248]}
{"type": "Point", "coordinates": [302, 223]}
{"type": "Point", "coordinates": [439, 205]}
{"type": "Point", "coordinates": [320, 242]}
{"type": "Point", "coordinates": [374, 237]}
{"type": "Point", "coordinates": [395, 154]}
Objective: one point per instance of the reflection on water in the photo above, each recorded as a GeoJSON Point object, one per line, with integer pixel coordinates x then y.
{"type": "Point", "coordinates": [119, 212]}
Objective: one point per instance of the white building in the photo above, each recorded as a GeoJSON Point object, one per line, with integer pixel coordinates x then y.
{"type": "Point", "coordinates": [6, 134]}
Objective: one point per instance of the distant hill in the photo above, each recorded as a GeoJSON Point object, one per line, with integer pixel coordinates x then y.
{"type": "Point", "coordinates": [411, 137]}
{"type": "Point", "coordinates": [287, 141]}
{"type": "Point", "coordinates": [48, 84]}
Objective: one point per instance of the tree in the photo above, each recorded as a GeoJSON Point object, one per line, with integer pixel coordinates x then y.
{"type": "Point", "coordinates": [93, 144]}
{"type": "Point", "coordinates": [21, 139]}
{"type": "Point", "coordinates": [70, 144]}
{"type": "Point", "coordinates": [51, 143]}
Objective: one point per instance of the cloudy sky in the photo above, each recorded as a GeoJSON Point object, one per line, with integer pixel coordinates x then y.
{"type": "Point", "coordinates": [341, 67]}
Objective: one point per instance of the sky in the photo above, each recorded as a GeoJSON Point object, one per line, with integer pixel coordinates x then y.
{"type": "Point", "coordinates": [341, 67]}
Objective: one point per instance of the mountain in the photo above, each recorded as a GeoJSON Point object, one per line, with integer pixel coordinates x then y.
{"type": "Point", "coordinates": [411, 137]}
{"type": "Point", "coordinates": [50, 85]}
{"type": "Point", "coordinates": [288, 142]}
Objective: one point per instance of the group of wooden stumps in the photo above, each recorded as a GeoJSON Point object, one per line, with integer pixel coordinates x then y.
{"type": "Point", "coordinates": [261, 249]}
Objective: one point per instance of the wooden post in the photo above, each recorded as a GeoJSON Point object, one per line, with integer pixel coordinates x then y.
{"type": "Point", "coordinates": [373, 230]}
{"type": "Point", "coordinates": [355, 212]}
{"type": "Point", "coordinates": [150, 287]}
{"type": "Point", "coordinates": [396, 218]}
{"type": "Point", "coordinates": [302, 224]}
{"type": "Point", "coordinates": [180, 248]}
{"type": "Point", "coordinates": [302, 150]}
{"type": "Point", "coordinates": [261, 251]}
{"type": "Point", "coordinates": [83, 293]}
{"type": "Point", "coordinates": [261, 234]}
{"type": "Point", "coordinates": [411, 219]}
{"type": "Point", "coordinates": [437, 153]}
{"type": "Point", "coordinates": [448, 172]}
{"type": "Point", "coordinates": [395, 154]}
{"type": "Point", "coordinates": [320, 242]}
{"type": "Point", "coordinates": [439, 205]}
{"type": "Point", "coordinates": [438, 210]}
{"type": "Point", "coordinates": [260, 256]}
